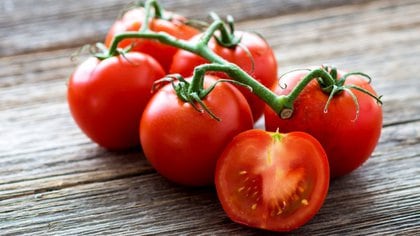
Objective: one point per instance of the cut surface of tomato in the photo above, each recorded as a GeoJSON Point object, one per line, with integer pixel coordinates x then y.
{"type": "Point", "coordinates": [272, 181]}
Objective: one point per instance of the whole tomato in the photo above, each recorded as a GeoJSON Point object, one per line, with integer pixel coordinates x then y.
{"type": "Point", "coordinates": [106, 98]}
{"type": "Point", "coordinates": [183, 144]}
{"type": "Point", "coordinates": [348, 133]}
{"type": "Point", "coordinates": [132, 21]}
{"type": "Point", "coordinates": [271, 180]}
{"type": "Point", "coordinates": [252, 54]}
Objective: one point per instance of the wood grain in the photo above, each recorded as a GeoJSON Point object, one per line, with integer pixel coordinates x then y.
{"type": "Point", "coordinates": [31, 25]}
{"type": "Point", "coordinates": [55, 181]}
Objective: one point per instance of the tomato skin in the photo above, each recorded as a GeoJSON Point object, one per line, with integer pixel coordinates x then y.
{"type": "Point", "coordinates": [132, 21]}
{"type": "Point", "coordinates": [183, 144]}
{"type": "Point", "coordinates": [272, 181]}
{"type": "Point", "coordinates": [106, 98]}
{"type": "Point", "coordinates": [348, 140]}
{"type": "Point", "coordinates": [264, 69]}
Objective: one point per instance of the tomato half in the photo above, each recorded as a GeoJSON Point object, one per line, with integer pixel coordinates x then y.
{"type": "Point", "coordinates": [258, 60]}
{"type": "Point", "coordinates": [183, 144]}
{"type": "Point", "coordinates": [272, 181]}
{"type": "Point", "coordinates": [106, 98]}
{"type": "Point", "coordinates": [132, 21]}
{"type": "Point", "coordinates": [347, 137]}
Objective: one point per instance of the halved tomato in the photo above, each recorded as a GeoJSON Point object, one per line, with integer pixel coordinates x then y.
{"type": "Point", "coordinates": [272, 181]}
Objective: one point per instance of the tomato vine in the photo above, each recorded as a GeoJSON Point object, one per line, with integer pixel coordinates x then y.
{"type": "Point", "coordinates": [269, 180]}
{"type": "Point", "coordinates": [281, 104]}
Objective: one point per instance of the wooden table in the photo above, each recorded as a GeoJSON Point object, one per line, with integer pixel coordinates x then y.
{"type": "Point", "coordinates": [55, 181]}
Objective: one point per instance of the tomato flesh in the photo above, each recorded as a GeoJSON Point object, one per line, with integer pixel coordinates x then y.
{"type": "Point", "coordinates": [272, 181]}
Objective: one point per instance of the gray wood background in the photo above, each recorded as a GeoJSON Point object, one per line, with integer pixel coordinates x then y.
{"type": "Point", "coordinates": [54, 181]}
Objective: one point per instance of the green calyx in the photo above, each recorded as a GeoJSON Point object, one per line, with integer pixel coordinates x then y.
{"type": "Point", "coordinates": [338, 86]}
{"type": "Point", "coordinates": [327, 78]}
{"type": "Point", "coordinates": [104, 53]}
{"type": "Point", "coordinates": [192, 92]}
{"type": "Point", "coordinates": [186, 92]}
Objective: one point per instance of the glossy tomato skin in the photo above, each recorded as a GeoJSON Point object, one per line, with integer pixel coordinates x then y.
{"type": "Point", "coordinates": [272, 181]}
{"type": "Point", "coordinates": [183, 144]}
{"type": "Point", "coordinates": [348, 139]}
{"type": "Point", "coordinates": [106, 98]}
{"type": "Point", "coordinates": [132, 21]}
{"type": "Point", "coordinates": [264, 68]}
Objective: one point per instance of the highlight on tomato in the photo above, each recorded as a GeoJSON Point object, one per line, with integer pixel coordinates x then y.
{"type": "Point", "coordinates": [346, 118]}
{"type": "Point", "coordinates": [272, 181]}
{"type": "Point", "coordinates": [180, 138]}
{"type": "Point", "coordinates": [163, 21]}
{"type": "Point", "coordinates": [250, 52]}
{"type": "Point", "coordinates": [107, 97]}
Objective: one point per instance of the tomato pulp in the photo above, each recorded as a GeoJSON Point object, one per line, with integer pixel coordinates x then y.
{"type": "Point", "coordinates": [272, 181]}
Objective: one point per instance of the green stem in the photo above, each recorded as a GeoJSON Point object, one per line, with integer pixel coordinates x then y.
{"type": "Point", "coordinates": [282, 105]}
{"type": "Point", "coordinates": [276, 102]}
{"type": "Point", "coordinates": [197, 81]}
{"type": "Point", "coordinates": [208, 34]}
{"type": "Point", "coordinates": [225, 35]}
{"type": "Point", "coordinates": [161, 37]}
{"type": "Point", "coordinates": [234, 71]}
{"type": "Point", "coordinates": [317, 73]}
{"type": "Point", "coordinates": [158, 13]}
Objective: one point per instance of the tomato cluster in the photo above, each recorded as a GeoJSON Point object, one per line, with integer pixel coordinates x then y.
{"type": "Point", "coordinates": [200, 131]}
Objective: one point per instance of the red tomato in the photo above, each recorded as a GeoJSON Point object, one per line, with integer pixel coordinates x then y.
{"type": "Point", "coordinates": [272, 181]}
{"type": "Point", "coordinates": [132, 21]}
{"type": "Point", "coordinates": [348, 139]}
{"type": "Point", "coordinates": [107, 97]}
{"type": "Point", "coordinates": [259, 62]}
{"type": "Point", "coordinates": [183, 144]}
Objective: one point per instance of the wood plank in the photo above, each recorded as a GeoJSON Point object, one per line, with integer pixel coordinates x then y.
{"type": "Point", "coordinates": [86, 22]}
{"type": "Point", "coordinates": [150, 204]}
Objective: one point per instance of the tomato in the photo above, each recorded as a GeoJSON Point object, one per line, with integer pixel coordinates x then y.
{"type": "Point", "coordinates": [106, 98]}
{"type": "Point", "coordinates": [132, 21]}
{"type": "Point", "coordinates": [183, 144]}
{"type": "Point", "coordinates": [272, 181]}
{"type": "Point", "coordinates": [258, 61]}
{"type": "Point", "coordinates": [347, 137]}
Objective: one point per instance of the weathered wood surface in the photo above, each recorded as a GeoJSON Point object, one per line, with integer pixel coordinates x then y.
{"type": "Point", "coordinates": [53, 180]}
